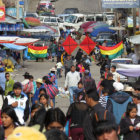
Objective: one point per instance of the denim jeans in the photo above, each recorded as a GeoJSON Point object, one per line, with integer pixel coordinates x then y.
{"type": "Point", "coordinates": [71, 90]}
{"type": "Point", "coordinates": [59, 72]}
{"type": "Point", "coordinates": [53, 99]}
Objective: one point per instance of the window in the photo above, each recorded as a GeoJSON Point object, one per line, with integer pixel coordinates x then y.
{"type": "Point", "coordinates": [53, 20]}
{"type": "Point", "coordinates": [47, 20]}
{"type": "Point", "coordinates": [80, 19]}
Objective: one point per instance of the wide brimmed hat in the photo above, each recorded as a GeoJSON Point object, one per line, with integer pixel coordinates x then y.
{"type": "Point", "coordinates": [53, 69]}
{"type": "Point", "coordinates": [129, 89]}
{"type": "Point", "coordinates": [26, 133]}
{"type": "Point", "coordinates": [26, 74]}
{"type": "Point", "coordinates": [39, 81]}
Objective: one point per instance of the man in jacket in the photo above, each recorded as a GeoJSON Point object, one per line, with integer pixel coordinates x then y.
{"type": "Point", "coordinates": [19, 102]}
{"type": "Point", "coordinates": [95, 114]}
{"type": "Point", "coordinates": [8, 84]}
{"type": "Point", "coordinates": [88, 81]}
{"type": "Point", "coordinates": [67, 64]}
{"type": "Point", "coordinates": [118, 101]}
{"type": "Point", "coordinates": [108, 83]}
{"type": "Point", "coordinates": [71, 82]}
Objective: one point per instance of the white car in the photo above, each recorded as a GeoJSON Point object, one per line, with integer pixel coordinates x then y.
{"type": "Point", "coordinates": [52, 21]}
{"type": "Point", "coordinates": [74, 21]}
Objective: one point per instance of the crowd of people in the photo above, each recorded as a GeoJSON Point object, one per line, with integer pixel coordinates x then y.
{"type": "Point", "coordinates": [106, 111]}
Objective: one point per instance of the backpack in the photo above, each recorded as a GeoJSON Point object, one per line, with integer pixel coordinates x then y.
{"type": "Point", "coordinates": [52, 91]}
{"type": "Point", "coordinates": [96, 117]}
{"type": "Point", "coordinates": [52, 78]}
{"type": "Point", "coordinates": [28, 88]}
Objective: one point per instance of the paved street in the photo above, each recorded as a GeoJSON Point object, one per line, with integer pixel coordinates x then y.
{"type": "Point", "coordinates": [86, 6]}
{"type": "Point", "coordinates": [39, 69]}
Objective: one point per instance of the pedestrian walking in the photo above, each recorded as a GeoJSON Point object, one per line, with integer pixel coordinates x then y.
{"type": "Point", "coordinates": [59, 69]}
{"type": "Point", "coordinates": [71, 82]}
{"type": "Point", "coordinates": [95, 114]}
{"type": "Point", "coordinates": [67, 64]}
{"type": "Point", "coordinates": [76, 114]}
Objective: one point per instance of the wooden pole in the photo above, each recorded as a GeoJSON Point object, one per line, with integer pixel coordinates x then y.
{"type": "Point", "coordinates": [17, 6]}
{"type": "Point", "coordinates": [134, 20]}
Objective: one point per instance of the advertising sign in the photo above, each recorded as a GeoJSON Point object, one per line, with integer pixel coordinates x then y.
{"type": "Point", "coordinates": [120, 3]}
{"type": "Point", "coordinates": [13, 12]}
{"type": "Point", "coordinates": [2, 13]}
{"type": "Point", "coordinates": [130, 22]}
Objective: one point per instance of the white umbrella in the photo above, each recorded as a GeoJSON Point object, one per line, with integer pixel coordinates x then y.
{"type": "Point", "coordinates": [135, 39]}
{"type": "Point", "coordinates": [118, 28]}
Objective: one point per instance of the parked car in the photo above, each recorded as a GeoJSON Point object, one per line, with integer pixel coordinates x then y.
{"type": "Point", "coordinates": [71, 11]}
{"type": "Point", "coordinates": [74, 21]}
{"type": "Point", "coordinates": [34, 15]}
{"type": "Point", "coordinates": [63, 16]}
{"type": "Point", "coordinates": [45, 7]}
{"type": "Point", "coordinates": [52, 21]}
{"type": "Point", "coordinates": [109, 37]}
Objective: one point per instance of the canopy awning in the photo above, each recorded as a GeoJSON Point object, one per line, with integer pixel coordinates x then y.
{"type": "Point", "coordinates": [129, 72]}
{"type": "Point", "coordinates": [25, 41]}
{"type": "Point", "coordinates": [128, 66]}
{"type": "Point", "coordinates": [35, 30]}
{"type": "Point", "coordinates": [118, 28]}
{"type": "Point", "coordinates": [13, 46]}
{"type": "Point", "coordinates": [135, 39]}
{"type": "Point", "coordinates": [8, 38]}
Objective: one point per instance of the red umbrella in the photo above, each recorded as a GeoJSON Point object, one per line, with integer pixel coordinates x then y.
{"type": "Point", "coordinates": [69, 45]}
{"type": "Point", "coordinates": [86, 24]}
{"type": "Point", "coordinates": [87, 45]}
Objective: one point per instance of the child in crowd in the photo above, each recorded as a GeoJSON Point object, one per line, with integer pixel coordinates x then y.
{"type": "Point", "coordinates": [78, 90]}
{"type": "Point", "coordinates": [130, 124]}
{"type": "Point", "coordinates": [59, 69]}
{"type": "Point", "coordinates": [101, 79]}
{"type": "Point", "coordinates": [42, 92]}
{"type": "Point", "coordinates": [44, 99]}
{"type": "Point", "coordinates": [104, 97]}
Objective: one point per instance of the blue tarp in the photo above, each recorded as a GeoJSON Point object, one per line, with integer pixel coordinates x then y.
{"type": "Point", "coordinates": [129, 72]}
{"type": "Point", "coordinates": [120, 3]}
{"type": "Point", "coordinates": [100, 30]}
{"type": "Point", "coordinates": [13, 46]}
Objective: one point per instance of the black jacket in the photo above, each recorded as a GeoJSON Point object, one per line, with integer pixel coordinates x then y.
{"type": "Point", "coordinates": [88, 82]}
{"type": "Point", "coordinates": [90, 122]}
{"type": "Point", "coordinates": [79, 56]}
{"type": "Point", "coordinates": [77, 112]}
{"type": "Point", "coordinates": [108, 84]}
{"type": "Point", "coordinates": [124, 127]}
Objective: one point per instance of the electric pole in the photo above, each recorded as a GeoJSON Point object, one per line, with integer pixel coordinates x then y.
{"type": "Point", "coordinates": [134, 21]}
{"type": "Point", "coordinates": [17, 6]}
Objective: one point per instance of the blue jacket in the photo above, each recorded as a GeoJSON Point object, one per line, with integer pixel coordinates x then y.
{"type": "Point", "coordinates": [77, 91]}
{"type": "Point", "coordinates": [117, 104]}
{"type": "Point", "coordinates": [2, 80]}
{"type": "Point", "coordinates": [35, 98]}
